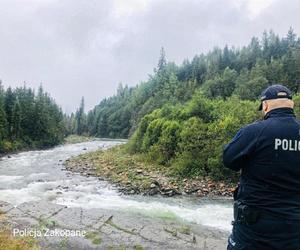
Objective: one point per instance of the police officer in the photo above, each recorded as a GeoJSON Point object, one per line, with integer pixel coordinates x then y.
{"type": "Point", "coordinates": [267, 200]}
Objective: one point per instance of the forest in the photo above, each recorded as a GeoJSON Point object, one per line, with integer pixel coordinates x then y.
{"type": "Point", "coordinates": [182, 116]}
{"type": "Point", "coordinates": [29, 120]}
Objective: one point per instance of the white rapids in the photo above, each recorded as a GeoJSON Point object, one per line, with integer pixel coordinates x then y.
{"type": "Point", "coordinates": [40, 175]}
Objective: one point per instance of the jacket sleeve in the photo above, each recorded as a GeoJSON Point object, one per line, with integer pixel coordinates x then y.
{"type": "Point", "coordinates": [237, 152]}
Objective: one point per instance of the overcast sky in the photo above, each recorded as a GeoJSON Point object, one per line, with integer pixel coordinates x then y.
{"type": "Point", "coordinates": [86, 47]}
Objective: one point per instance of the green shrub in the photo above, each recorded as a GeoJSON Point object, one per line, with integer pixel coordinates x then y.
{"type": "Point", "coordinates": [296, 99]}
{"type": "Point", "coordinates": [191, 156]}
{"type": "Point", "coordinates": [152, 134]}
{"type": "Point", "coordinates": [136, 141]}
{"type": "Point", "coordinates": [191, 140]}
{"type": "Point", "coordinates": [165, 148]}
{"type": "Point", "coordinates": [6, 146]}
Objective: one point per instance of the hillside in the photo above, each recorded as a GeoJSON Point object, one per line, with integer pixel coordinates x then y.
{"type": "Point", "coordinates": [220, 73]}
{"type": "Point", "coordinates": [183, 115]}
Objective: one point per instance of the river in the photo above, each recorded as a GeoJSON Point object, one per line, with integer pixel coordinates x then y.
{"type": "Point", "coordinates": [40, 175]}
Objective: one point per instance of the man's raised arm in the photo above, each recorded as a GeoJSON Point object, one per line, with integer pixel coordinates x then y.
{"type": "Point", "coordinates": [236, 153]}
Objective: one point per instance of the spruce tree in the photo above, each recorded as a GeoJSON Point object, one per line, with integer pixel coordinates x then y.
{"type": "Point", "coordinates": [80, 119]}
{"type": "Point", "coordinates": [291, 37]}
{"type": "Point", "coordinates": [16, 120]}
{"type": "Point", "coordinates": [162, 62]}
{"type": "Point", "coordinates": [9, 101]}
{"type": "Point", "coordinates": [3, 121]}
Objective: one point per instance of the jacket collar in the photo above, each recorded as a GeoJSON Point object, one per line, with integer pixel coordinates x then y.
{"type": "Point", "coordinates": [280, 112]}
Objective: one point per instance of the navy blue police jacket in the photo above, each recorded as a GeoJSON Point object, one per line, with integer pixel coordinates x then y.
{"type": "Point", "coordinates": [268, 154]}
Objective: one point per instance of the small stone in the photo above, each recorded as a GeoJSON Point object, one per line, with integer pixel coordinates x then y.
{"type": "Point", "coordinates": [156, 183]}
{"type": "Point", "coordinates": [199, 193]}
{"type": "Point", "coordinates": [210, 185]}
{"type": "Point", "coordinates": [153, 191]}
{"type": "Point", "coordinates": [152, 185]}
{"type": "Point", "coordinates": [194, 239]}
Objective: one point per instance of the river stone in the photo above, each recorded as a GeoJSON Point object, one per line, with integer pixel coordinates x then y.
{"type": "Point", "coordinates": [152, 191]}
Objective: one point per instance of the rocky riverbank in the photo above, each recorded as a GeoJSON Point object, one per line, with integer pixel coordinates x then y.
{"type": "Point", "coordinates": [132, 174]}
{"type": "Point", "coordinates": [102, 229]}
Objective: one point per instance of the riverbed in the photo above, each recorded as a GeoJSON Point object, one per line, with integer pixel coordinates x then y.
{"type": "Point", "coordinates": [40, 176]}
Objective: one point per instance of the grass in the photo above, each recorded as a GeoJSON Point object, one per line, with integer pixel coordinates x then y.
{"type": "Point", "coordinates": [8, 242]}
{"type": "Point", "coordinates": [71, 139]}
{"type": "Point", "coordinates": [47, 223]}
{"type": "Point", "coordinates": [185, 230]}
{"type": "Point", "coordinates": [111, 223]}
{"type": "Point", "coordinates": [2, 215]}
{"type": "Point", "coordinates": [94, 237]}
{"type": "Point", "coordinates": [96, 241]}
{"type": "Point", "coordinates": [63, 245]}
{"type": "Point", "coordinates": [138, 247]}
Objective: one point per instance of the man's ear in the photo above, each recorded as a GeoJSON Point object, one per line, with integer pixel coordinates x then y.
{"type": "Point", "coordinates": [265, 105]}
{"type": "Point", "coordinates": [293, 104]}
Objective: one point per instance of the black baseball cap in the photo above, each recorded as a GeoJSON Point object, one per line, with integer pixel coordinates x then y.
{"type": "Point", "coordinates": [275, 91]}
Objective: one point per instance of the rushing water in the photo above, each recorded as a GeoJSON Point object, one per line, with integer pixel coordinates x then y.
{"type": "Point", "coordinates": [40, 175]}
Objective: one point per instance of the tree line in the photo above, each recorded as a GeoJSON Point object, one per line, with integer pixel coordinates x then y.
{"type": "Point", "coordinates": [29, 119]}
{"type": "Point", "coordinates": [220, 73]}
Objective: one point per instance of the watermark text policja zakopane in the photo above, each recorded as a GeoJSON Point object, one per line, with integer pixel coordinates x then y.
{"type": "Point", "coordinates": [36, 233]}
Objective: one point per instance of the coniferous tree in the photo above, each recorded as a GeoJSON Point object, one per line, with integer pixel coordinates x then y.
{"type": "Point", "coordinates": [291, 37]}
{"type": "Point", "coordinates": [162, 62]}
{"type": "Point", "coordinates": [9, 101]}
{"type": "Point", "coordinates": [16, 120]}
{"type": "Point", "coordinates": [3, 121]}
{"type": "Point", "coordinates": [80, 119]}
{"type": "Point", "coordinates": [40, 115]}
